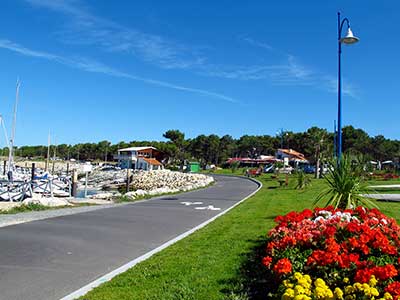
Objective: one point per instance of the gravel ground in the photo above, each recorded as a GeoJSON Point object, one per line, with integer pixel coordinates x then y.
{"type": "Point", "coordinates": [7, 220]}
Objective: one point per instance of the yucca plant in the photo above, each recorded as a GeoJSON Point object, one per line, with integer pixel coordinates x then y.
{"type": "Point", "coordinates": [234, 166]}
{"type": "Point", "coordinates": [345, 186]}
{"type": "Point", "coordinates": [303, 180]}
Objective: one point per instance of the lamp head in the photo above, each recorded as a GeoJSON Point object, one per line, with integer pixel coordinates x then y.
{"type": "Point", "coordinates": [349, 38]}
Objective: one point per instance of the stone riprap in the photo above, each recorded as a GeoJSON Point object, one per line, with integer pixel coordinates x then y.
{"type": "Point", "coordinates": [142, 184]}
{"type": "Point", "coordinates": [147, 183]}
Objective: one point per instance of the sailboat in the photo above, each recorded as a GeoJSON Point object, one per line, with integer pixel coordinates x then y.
{"type": "Point", "coordinates": [11, 163]}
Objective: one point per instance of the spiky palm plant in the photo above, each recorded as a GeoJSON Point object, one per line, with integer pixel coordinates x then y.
{"type": "Point", "coordinates": [345, 186]}
{"type": "Point", "coordinates": [303, 180]}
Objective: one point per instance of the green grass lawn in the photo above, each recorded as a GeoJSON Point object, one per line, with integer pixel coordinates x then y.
{"type": "Point", "coordinates": [384, 182]}
{"type": "Point", "coordinates": [219, 261]}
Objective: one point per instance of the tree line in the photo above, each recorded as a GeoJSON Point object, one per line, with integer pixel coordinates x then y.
{"type": "Point", "coordinates": [315, 143]}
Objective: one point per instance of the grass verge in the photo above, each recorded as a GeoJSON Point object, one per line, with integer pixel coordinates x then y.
{"type": "Point", "coordinates": [220, 261]}
{"type": "Point", "coordinates": [37, 207]}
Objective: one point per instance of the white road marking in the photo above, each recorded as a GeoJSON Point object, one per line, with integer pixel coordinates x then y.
{"type": "Point", "coordinates": [210, 207]}
{"type": "Point", "coordinates": [107, 277]}
{"type": "Point", "coordinates": [188, 203]}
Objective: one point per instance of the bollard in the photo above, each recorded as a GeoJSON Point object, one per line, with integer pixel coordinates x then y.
{"type": "Point", "coordinates": [86, 180]}
{"type": "Point", "coordinates": [128, 173]}
{"type": "Point", "coordinates": [67, 169]}
{"type": "Point", "coordinates": [74, 183]}
{"type": "Point", "coordinates": [32, 174]}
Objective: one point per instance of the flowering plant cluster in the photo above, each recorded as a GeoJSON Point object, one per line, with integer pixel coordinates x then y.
{"type": "Point", "coordinates": [335, 254]}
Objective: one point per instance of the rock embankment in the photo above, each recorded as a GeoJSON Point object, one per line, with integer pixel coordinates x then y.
{"type": "Point", "coordinates": [164, 182]}
{"type": "Point", "coordinates": [149, 183]}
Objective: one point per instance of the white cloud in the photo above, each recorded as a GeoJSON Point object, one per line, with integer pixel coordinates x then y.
{"type": "Point", "coordinates": [258, 43]}
{"type": "Point", "coordinates": [87, 29]}
{"type": "Point", "coordinates": [331, 84]}
{"type": "Point", "coordinates": [88, 65]}
{"type": "Point", "coordinates": [287, 72]}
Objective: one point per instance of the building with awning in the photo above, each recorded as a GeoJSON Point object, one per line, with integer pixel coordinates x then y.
{"type": "Point", "coordinates": [291, 155]}
{"type": "Point", "coordinates": [140, 158]}
{"type": "Point", "coordinates": [253, 162]}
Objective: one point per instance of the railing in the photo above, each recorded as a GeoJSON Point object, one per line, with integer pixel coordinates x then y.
{"type": "Point", "coordinates": [20, 190]}
{"type": "Point", "coordinates": [122, 157]}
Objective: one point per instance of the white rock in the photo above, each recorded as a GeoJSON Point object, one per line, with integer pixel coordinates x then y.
{"type": "Point", "coordinates": [102, 196]}
{"type": "Point", "coordinates": [46, 201]}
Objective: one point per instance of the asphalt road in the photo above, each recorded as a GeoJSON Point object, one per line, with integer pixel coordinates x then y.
{"type": "Point", "coordinates": [48, 259]}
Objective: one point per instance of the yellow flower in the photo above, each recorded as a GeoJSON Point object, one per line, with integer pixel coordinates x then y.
{"type": "Point", "coordinates": [387, 296]}
{"type": "Point", "coordinates": [373, 281]}
{"type": "Point", "coordinates": [319, 282]}
{"type": "Point", "coordinates": [302, 297]}
{"type": "Point", "coordinates": [349, 290]}
{"type": "Point", "coordinates": [288, 295]}
{"type": "Point", "coordinates": [358, 286]}
{"type": "Point", "coordinates": [297, 276]}
{"type": "Point", "coordinates": [346, 280]}
{"type": "Point", "coordinates": [374, 292]}
{"type": "Point", "coordinates": [338, 293]}
{"type": "Point", "coordinates": [299, 290]}
{"type": "Point", "coordinates": [307, 278]}
{"type": "Point", "coordinates": [304, 283]}
{"type": "Point", "coordinates": [287, 283]}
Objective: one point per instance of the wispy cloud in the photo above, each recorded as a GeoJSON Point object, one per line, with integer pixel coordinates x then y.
{"type": "Point", "coordinates": [88, 29]}
{"type": "Point", "coordinates": [256, 43]}
{"type": "Point", "coordinates": [85, 28]}
{"type": "Point", "coordinates": [331, 84]}
{"type": "Point", "coordinates": [289, 71]}
{"type": "Point", "coordinates": [94, 66]}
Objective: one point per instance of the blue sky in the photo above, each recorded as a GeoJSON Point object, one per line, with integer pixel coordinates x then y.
{"type": "Point", "coordinates": [130, 70]}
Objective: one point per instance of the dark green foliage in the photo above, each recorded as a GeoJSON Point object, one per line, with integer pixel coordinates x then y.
{"type": "Point", "coordinates": [316, 143]}
{"type": "Point", "coordinates": [345, 187]}
{"type": "Point", "coordinates": [303, 180]}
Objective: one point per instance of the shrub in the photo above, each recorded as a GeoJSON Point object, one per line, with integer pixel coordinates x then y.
{"type": "Point", "coordinates": [331, 254]}
{"type": "Point", "coordinates": [303, 180]}
{"type": "Point", "coordinates": [345, 186]}
{"type": "Point", "coordinates": [234, 166]}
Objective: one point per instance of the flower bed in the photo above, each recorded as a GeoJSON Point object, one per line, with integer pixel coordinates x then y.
{"type": "Point", "coordinates": [334, 254]}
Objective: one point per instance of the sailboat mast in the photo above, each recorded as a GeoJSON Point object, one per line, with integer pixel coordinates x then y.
{"type": "Point", "coordinates": [12, 140]}
{"type": "Point", "coordinates": [48, 152]}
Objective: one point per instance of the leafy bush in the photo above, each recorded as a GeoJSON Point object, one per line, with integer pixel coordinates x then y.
{"type": "Point", "coordinates": [303, 180]}
{"type": "Point", "coordinates": [234, 166]}
{"type": "Point", "coordinates": [345, 186]}
{"type": "Point", "coordinates": [334, 254]}
{"type": "Point", "coordinates": [25, 208]}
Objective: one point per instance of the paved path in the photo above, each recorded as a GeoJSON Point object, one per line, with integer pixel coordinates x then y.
{"type": "Point", "coordinates": [48, 259]}
{"type": "Point", "coordinates": [385, 197]}
{"type": "Point", "coordinates": [385, 186]}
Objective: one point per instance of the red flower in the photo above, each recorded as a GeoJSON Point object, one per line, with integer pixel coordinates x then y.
{"type": "Point", "coordinates": [349, 241]}
{"type": "Point", "coordinates": [283, 266]}
{"type": "Point", "coordinates": [394, 289]}
{"type": "Point", "coordinates": [266, 261]}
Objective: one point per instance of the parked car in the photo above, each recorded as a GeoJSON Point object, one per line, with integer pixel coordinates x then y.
{"type": "Point", "coordinates": [309, 169]}
{"type": "Point", "coordinates": [269, 168]}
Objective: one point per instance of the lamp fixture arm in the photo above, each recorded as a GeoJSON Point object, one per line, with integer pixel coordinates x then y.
{"type": "Point", "coordinates": [341, 26]}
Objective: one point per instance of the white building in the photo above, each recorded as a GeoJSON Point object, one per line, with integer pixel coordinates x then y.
{"type": "Point", "coordinates": [139, 158]}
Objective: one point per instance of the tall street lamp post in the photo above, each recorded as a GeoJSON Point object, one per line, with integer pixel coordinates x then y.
{"type": "Point", "coordinates": [348, 39]}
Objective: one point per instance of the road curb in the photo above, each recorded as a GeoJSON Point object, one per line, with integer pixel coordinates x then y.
{"type": "Point", "coordinates": [107, 277]}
